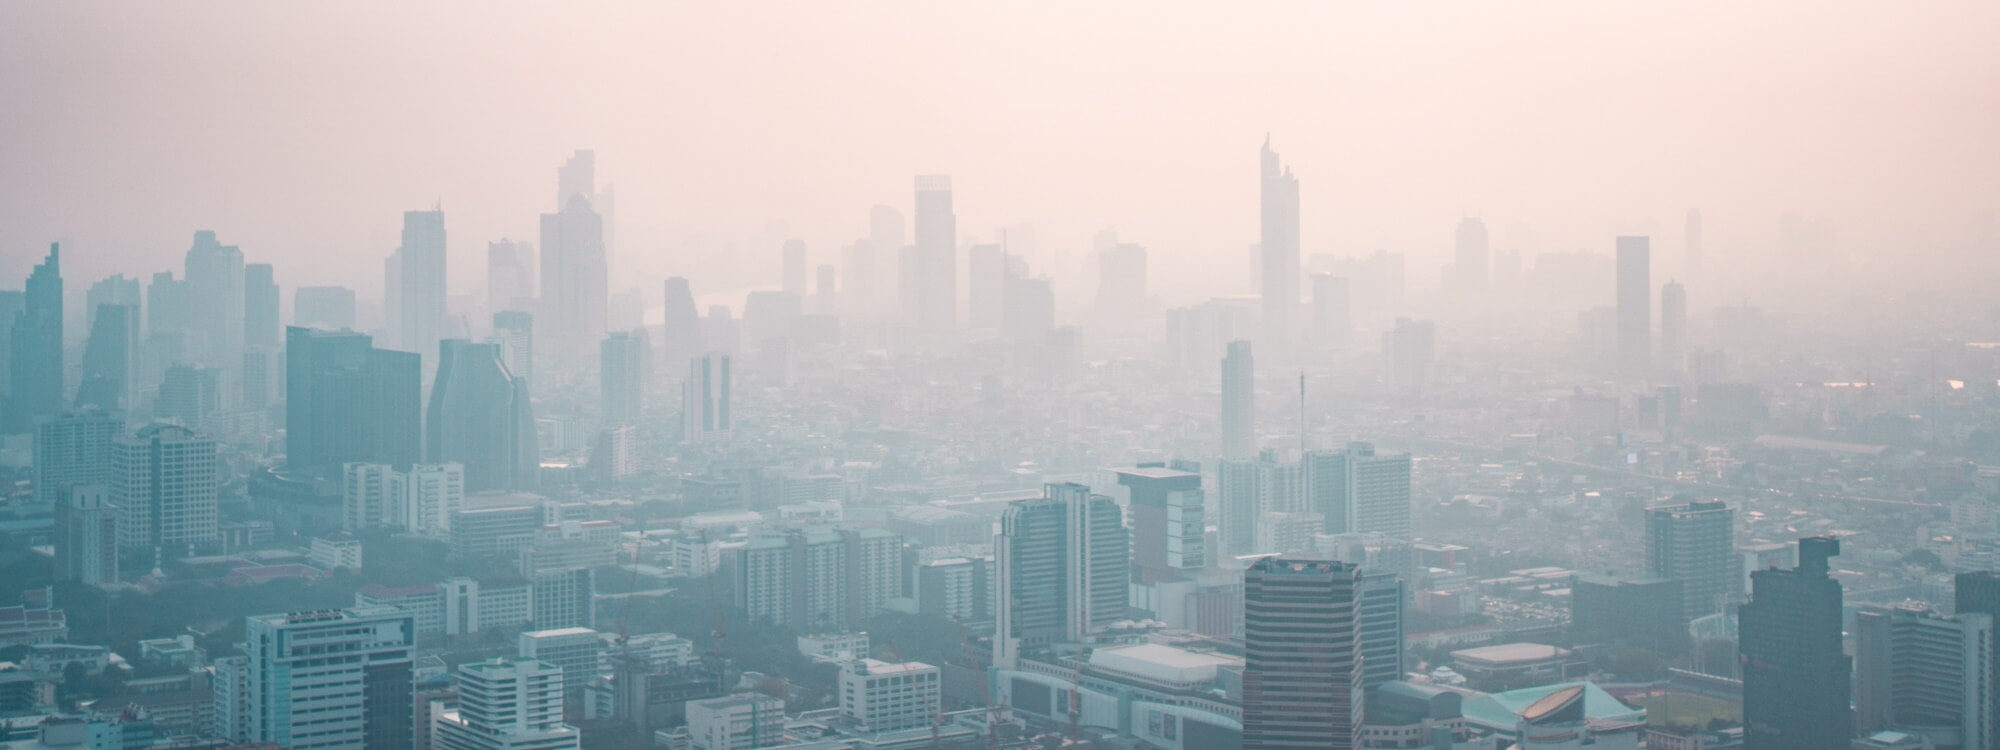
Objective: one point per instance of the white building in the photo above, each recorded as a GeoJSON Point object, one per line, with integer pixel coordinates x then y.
{"type": "Point", "coordinates": [578, 652]}
{"type": "Point", "coordinates": [426, 496]}
{"type": "Point", "coordinates": [736, 722]}
{"type": "Point", "coordinates": [883, 697]}
{"type": "Point", "coordinates": [506, 704]}
{"type": "Point", "coordinates": [834, 647]}
{"type": "Point", "coordinates": [338, 552]}
{"type": "Point", "coordinates": [364, 495]}
{"type": "Point", "coordinates": [164, 481]}
{"type": "Point", "coordinates": [309, 675]}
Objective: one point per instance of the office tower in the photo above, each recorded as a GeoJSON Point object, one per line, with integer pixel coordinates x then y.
{"type": "Point", "coordinates": [875, 568]}
{"type": "Point", "coordinates": [325, 307]}
{"type": "Point", "coordinates": [260, 306]}
{"type": "Point", "coordinates": [623, 362]}
{"type": "Point", "coordinates": [1168, 522]}
{"type": "Point", "coordinates": [1635, 305]}
{"type": "Point", "coordinates": [392, 296]}
{"type": "Point", "coordinates": [214, 278]}
{"type": "Point", "coordinates": [574, 280]}
{"type": "Point", "coordinates": [188, 395]}
{"type": "Point", "coordinates": [1673, 328]}
{"type": "Point", "coordinates": [506, 704]}
{"type": "Point", "coordinates": [1924, 673]}
{"type": "Point", "coordinates": [1302, 663]}
{"type": "Point", "coordinates": [682, 324]}
{"type": "Point", "coordinates": [577, 652]}
{"type": "Point", "coordinates": [12, 303]}
{"type": "Point", "coordinates": [426, 499]}
{"type": "Point", "coordinates": [514, 332]}
{"type": "Point", "coordinates": [479, 416]}
{"type": "Point", "coordinates": [881, 696]}
{"type": "Point", "coordinates": [1278, 246]}
{"type": "Point", "coordinates": [1691, 236]}
{"type": "Point", "coordinates": [1978, 592]}
{"type": "Point", "coordinates": [1641, 613]}
{"type": "Point", "coordinates": [346, 400]}
{"type": "Point", "coordinates": [986, 291]}
{"type": "Point", "coordinates": [1381, 624]}
{"type": "Point", "coordinates": [563, 598]}
{"type": "Point", "coordinates": [936, 254]}
{"type": "Point", "coordinates": [1121, 285]}
{"type": "Point", "coordinates": [705, 399]}
{"type": "Point", "coordinates": [331, 679]}
{"type": "Point", "coordinates": [164, 481]}
{"type": "Point", "coordinates": [1471, 268]}
{"type": "Point", "coordinates": [740, 721]}
{"type": "Point", "coordinates": [1332, 318]}
{"type": "Point", "coordinates": [1410, 346]}
{"type": "Point", "coordinates": [74, 448]}
{"type": "Point", "coordinates": [35, 356]}
{"type": "Point", "coordinates": [421, 299]}
{"type": "Point", "coordinates": [793, 262]}
{"type": "Point", "coordinates": [111, 359]}
{"type": "Point", "coordinates": [1239, 413]}
{"type": "Point", "coordinates": [111, 290]}
{"type": "Point", "coordinates": [1253, 495]}
{"type": "Point", "coordinates": [1065, 569]}
{"type": "Point", "coordinates": [1795, 674]}
{"type": "Point", "coordinates": [509, 283]}
{"type": "Point", "coordinates": [1358, 491]}
{"type": "Point", "coordinates": [366, 499]}
{"type": "Point", "coordinates": [1694, 545]}
{"type": "Point", "coordinates": [166, 304]}
{"type": "Point", "coordinates": [86, 535]}
{"type": "Point", "coordinates": [577, 178]}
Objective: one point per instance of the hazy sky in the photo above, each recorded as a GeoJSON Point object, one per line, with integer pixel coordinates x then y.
{"type": "Point", "coordinates": [302, 131]}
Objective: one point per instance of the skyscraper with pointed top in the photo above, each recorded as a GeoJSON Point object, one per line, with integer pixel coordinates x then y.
{"type": "Point", "coordinates": [574, 275]}
{"type": "Point", "coordinates": [35, 357]}
{"type": "Point", "coordinates": [1279, 246]}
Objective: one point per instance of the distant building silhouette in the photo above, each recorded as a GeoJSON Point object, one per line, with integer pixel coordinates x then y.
{"type": "Point", "coordinates": [1279, 247]}
{"type": "Point", "coordinates": [931, 274]}
{"type": "Point", "coordinates": [35, 357]}
{"type": "Point", "coordinates": [324, 307]}
{"type": "Point", "coordinates": [214, 298]}
{"type": "Point", "coordinates": [705, 396]}
{"type": "Point", "coordinates": [1796, 675]}
{"type": "Point", "coordinates": [624, 366]}
{"type": "Point", "coordinates": [111, 359]}
{"type": "Point", "coordinates": [1470, 271]}
{"type": "Point", "coordinates": [682, 324]}
{"type": "Point", "coordinates": [346, 400]}
{"type": "Point", "coordinates": [793, 263]}
{"type": "Point", "coordinates": [1673, 330]}
{"type": "Point", "coordinates": [1239, 392]}
{"type": "Point", "coordinates": [479, 416]}
{"type": "Point", "coordinates": [1332, 311]}
{"type": "Point", "coordinates": [420, 303]}
{"type": "Point", "coordinates": [1635, 306]}
{"type": "Point", "coordinates": [986, 290]}
{"type": "Point", "coordinates": [510, 285]}
{"type": "Point", "coordinates": [74, 448]}
{"type": "Point", "coordinates": [574, 273]}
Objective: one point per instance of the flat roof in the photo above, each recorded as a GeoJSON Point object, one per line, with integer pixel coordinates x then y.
{"type": "Point", "coordinates": [1161, 663]}
{"type": "Point", "coordinates": [1155, 472]}
{"type": "Point", "coordinates": [1509, 652]}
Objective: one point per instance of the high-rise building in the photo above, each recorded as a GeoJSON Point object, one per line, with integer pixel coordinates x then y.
{"type": "Point", "coordinates": [1332, 318]}
{"type": "Point", "coordinates": [1410, 347]}
{"type": "Point", "coordinates": [1673, 328]}
{"type": "Point", "coordinates": [577, 178]}
{"type": "Point", "coordinates": [510, 285]}
{"type": "Point", "coordinates": [514, 332]}
{"type": "Point", "coordinates": [1978, 592]}
{"type": "Point", "coordinates": [366, 500]}
{"type": "Point", "coordinates": [1168, 522]}
{"type": "Point", "coordinates": [705, 399]}
{"type": "Point", "coordinates": [35, 349]}
{"type": "Point", "coordinates": [421, 301]}
{"type": "Point", "coordinates": [1065, 570]}
{"type": "Point", "coordinates": [816, 580]}
{"type": "Point", "coordinates": [12, 304]}
{"type": "Point", "coordinates": [346, 400]}
{"type": "Point", "coordinates": [825, 298]}
{"type": "Point", "coordinates": [261, 323]}
{"type": "Point", "coordinates": [1278, 246]}
{"type": "Point", "coordinates": [86, 535]}
{"type": "Point", "coordinates": [682, 324]}
{"type": "Point", "coordinates": [1923, 673]}
{"type": "Point", "coordinates": [1796, 675]}
{"type": "Point", "coordinates": [1358, 491]}
{"type": "Point", "coordinates": [1635, 305]}
{"type": "Point", "coordinates": [1028, 311]}
{"type": "Point", "coordinates": [1694, 545]}
{"type": "Point", "coordinates": [1302, 654]}
{"type": "Point", "coordinates": [74, 448]}
{"type": "Point", "coordinates": [1382, 595]}
{"type": "Point", "coordinates": [1250, 492]}
{"type": "Point", "coordinates": [479, 416]}
{"type": "Point", "coordinates": [325, 307]}
{"type": "Point", "coordinates": [214, 279]}
{"type": "Point", "coordinates": [112, 290]}
{"type": "Point", "coordinates": [328, 679]}
{"type": "Point", "coordinates": [935, 276]}
{"type": "Point", "coordinates": [564, 598]}
{"type": "Point", "coordinates": [881, 696]}
{"type": "Point", "coordinates": [574, 280]}
{"type": "Point", "coordinates": [986, 286]}
{"type": "Point", "coordinates": [427, 499]}
{"type": "Point", "coordinates": [506, 704]}
{"type": "Point", "coordinates": [624, 360]}
{"type": "Point", "coordinates": [111, 359]}
{"type": "Point", "coordinates": [1239, 408]}
{"type": "Point", "coordinates": [741, 721]}
{"type": "Point", "coordinates": [188, 395]}
{"type": "Point", "coordinates": [164, 480]}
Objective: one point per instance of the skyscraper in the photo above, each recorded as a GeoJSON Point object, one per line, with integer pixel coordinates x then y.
{"type": "Point", "coordinates": [1065, 570]}
{"type": "Point", "coordinates": [1381, 624]}
{"type": "Point", "coordinates": [574, 280]}
{"type": "Point", "coordinates": [214, 279]}
{"type": "Point", "coordinates": [189, 395]}
{"type": "Point", "coordinates": [325, 307]}
{"type": "Point", "coordinates": [509, 283]}
{"type": "Point", "coordinates": [514, 332]}
{"type": "Point", "coordinates": [35, 357]}
{"type": "Point", "coordinates": [1924, 673]}
{"type": "Point", "coordinates": [111, 360]}
{"type": "Point", "coordinates": [1168, 522]}
{"type": "Point", "coordinates": [1279, 247]}
{"type": "Point", "coordinates": [1359, 492]}
{"type": "Point", "coordinates": [421, 301]}
{"type": "Point", "coordinates": [1673, 328]}
{"type": "Point", "coordinates": [112, 290]}
{"type": "Point", "coordinates": [329, 679]}
{"type": "Point", "coordinates": [682, 324]}
{"type": "Point", "coordinates": [577, 178]}
{"type": "Point", "coordinates": [986, 287]}
{"type": "Point", "coordinates": [164, 481]}
{"type": "Point", "coordinates": [346, 400]}
{"type": "Point", "coordinates": [74, 448]}
{"type": "Point", "coordinates": [1635, 306]}
{"type": "Point", "coordinates": [479, 416]}
{"type": "Point", "coordinates": [936, 256]}
{"type": "Point", "coordinates": [1239, 413]}
{"type": "Point", "coordinates": [624, 360]}
{"type": "Point", "coordinates": [1302, 663]}
{"type": "Point", "coordinates": [1471, 268]}
{"type": "Point", "coordinates": [705, 399]}
{"type": "Point", "coordinates": [86, 535]}
{"type": "Point", "coordinates": [1796, 676]}
{"type": "Point", "coordinates": [1978, 592]}
{"type": "Point", "coordinates": [507, 704]}
{"type": "Point", "coordinates": [12, 303]}
{"type": "Point", "coordinates": [260, 306]}
{"type": "Point", "coordinates": [1694, 545]}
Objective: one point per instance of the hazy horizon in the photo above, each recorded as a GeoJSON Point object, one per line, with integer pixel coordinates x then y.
{"type": "Point", "coordinates": [302, 133]}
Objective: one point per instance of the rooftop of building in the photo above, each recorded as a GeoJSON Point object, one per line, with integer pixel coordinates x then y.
{"type": "Point", "coordinates": [1506, 653]}
{"type": "Point", "coordinates": [877, 667]}
{"type": "Point", "coordinates": [559, 633]}
{"type": "Point", "coordinates": [1162, 663]}
{"type": "Point", "coordinates": [1502, 711]}
{"type": "Point", "coordinates": [1155, 472]}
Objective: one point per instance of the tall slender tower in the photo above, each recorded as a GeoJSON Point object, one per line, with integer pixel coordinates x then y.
{"type": "Point", "coordinates": [1279, 247]}
{"type": "Point", "coordinates": [1796, 676]}
{"type": "Point", "coordinates": [935, 276]}
{"type": "Point", "coordinates": [421, 303]}
{"type": "Point", "coordinates": [1239, 415]}
{"type": "Point", "coordinates": [35, 355]}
